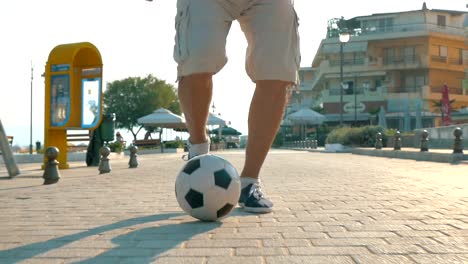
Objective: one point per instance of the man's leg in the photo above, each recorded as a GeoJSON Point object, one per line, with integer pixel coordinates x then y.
{"type": "Point", "coordinates": [265, 115]}
{"type": "Point", "coordinates": [266, 112]}
{"type": "Point", "coordinates": [195, 92]}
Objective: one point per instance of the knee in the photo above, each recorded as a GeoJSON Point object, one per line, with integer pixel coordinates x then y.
{"type": "Point", "coordinates": [275, 88]}
{"type": "Point", "coordinates": [196, 79]}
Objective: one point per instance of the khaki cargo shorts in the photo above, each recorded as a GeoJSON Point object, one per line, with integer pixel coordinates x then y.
{"type": "Point", "coordinates": [270, 27]}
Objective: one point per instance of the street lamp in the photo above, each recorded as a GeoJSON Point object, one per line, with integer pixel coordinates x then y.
{"type": "Point", "coordinates": [344, 38]}
{"type": "Point", "coordinates": [31, 113]}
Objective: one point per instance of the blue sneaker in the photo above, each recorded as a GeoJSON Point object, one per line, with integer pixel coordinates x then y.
{"type": "Point", "coordinates": [253, 201]}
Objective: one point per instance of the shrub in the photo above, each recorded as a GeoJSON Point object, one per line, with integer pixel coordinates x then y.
{"type": "Point", "coordinates": [174, 144]}
{"type": "Point", "coordinates": [116, 146]}
{"type": "Point", "coordinates": [356, 136]}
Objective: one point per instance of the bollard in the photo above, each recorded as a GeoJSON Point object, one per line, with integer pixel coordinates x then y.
{"type": "Point", "coordinates": [315, 144]}
{"type": "Point", "coordinates": [458, 141]}
{"type": "Point", "coordinates": [104, 166]}
{"type": "Point", "coordinates": [51, 171]}
{"type": "Point", "coordinates": [424, 141]}
{"type": "Point", "coordinates": [397, 143]}
{"type": "Point", "coordinates": [133, 162]}
{"type": "Point", "coordinates": [378, 141]}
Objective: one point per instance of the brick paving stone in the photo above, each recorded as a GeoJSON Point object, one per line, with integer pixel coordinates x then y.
{"type": "Point", "coordinates": [372, 259]}
{"type": "Point", "coordinates": [343, 251]}
{"type": "Point", "coordinates": [414, 212]}
{"type": "Point", "coordinates": [440, 259]}
{"type": "Point", "coordinates": [310, 259]}
{"type": "Point", "coordinates": [235, 260]}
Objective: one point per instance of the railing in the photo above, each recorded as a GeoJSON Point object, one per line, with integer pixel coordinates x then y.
{"type": "Point", "coordinates": [440, 59]}
{"type": "Point", "coordinates": [457, 61]}
{"type": "Point", "coordinates": [452, 90]}
{"type": "Point", "coordinates": [404, 28]}
{"type": "Point", "coordinates": [397, 60]}
{"type": "Point", "coordinates": [348, 62]}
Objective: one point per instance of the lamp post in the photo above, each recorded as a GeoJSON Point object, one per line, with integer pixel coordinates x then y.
{"type": "Point", "coordinates": [31, 113]}
{"type": "Point", "coordinates": [344, 38]}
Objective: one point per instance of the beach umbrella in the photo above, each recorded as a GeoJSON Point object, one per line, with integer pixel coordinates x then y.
{"type": "Point", "coordinates": [162, 118]}
{"type": "Point", "coordinates": [229, 131]}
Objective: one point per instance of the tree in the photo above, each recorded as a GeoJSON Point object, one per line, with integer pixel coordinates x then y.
{"type": "Point", "coordinates": [134, 97]}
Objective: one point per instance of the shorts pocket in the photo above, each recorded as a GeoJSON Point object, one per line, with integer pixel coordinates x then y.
{"type": "Point", "coordinates": [182, 24]}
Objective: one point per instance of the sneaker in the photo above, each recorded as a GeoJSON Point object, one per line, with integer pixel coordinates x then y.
{"type": "Point", "coordinates": [253, 201]}
{"type": "Point", "coordinates": [196, 150]}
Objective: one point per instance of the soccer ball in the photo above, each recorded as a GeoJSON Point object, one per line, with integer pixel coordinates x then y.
{"type": "Point", "coordinates": [207, 187]}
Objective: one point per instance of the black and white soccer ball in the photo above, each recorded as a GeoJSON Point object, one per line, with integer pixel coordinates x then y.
{"type": "Point", "coordinates": [208, 187]}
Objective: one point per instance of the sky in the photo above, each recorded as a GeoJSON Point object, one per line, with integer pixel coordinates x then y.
{"type": "Point", "coordinates": [136, 38]}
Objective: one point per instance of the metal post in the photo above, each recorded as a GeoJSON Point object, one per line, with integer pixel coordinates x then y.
{"type": "Point", "coordinates": [355, 105]}
{"type": "Point", "coordinates": [30, 121]}
{"type": "Point", "coordinates": [7, 154]}
{"type": "Point", "coordinates": [341, 82]}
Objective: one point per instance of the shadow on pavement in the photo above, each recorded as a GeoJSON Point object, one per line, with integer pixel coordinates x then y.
{"type": "Point", "coordinates": [144, 245]}
{"type": "Point", "coordinates": [188, 230]}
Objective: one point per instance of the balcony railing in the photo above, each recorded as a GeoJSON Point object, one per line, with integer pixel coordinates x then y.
{"type": "Point", "coordinates": [440, 59]}
{"type": "Point", "coordinates": [453, 90]}
{"type": "Point", "coordinates": [457, 61]}
{"type": "Point", "coordinates": [398, 60]}
{"type": "Point", "coordinates": [347, 62]}
{"type": "Point", "coordinates": [404, 28]}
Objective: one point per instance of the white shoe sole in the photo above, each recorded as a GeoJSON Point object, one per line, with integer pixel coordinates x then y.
{"type": "Point", "coordinates": [261, 210]}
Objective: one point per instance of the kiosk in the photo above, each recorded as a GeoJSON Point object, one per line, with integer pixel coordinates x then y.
{"type": "Point", "coordinates": [73, 94]}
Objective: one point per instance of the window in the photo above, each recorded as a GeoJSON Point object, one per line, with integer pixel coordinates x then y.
{"type": "Point", "coordinates": [459, 59]}
{"type": "Point", "coordinates": [441, 21]}
{"type": "Point", "coordinates": [409, 54]}
{"type": "Point", "coordinates": [389, 55]}
{"type": "Point", "coordinates": [349, 87]}
{"type": "Point", "coordinates": [443, 51]}
{"type": "Point", "coordinates": [465, 57]}
{"type": "Point", "coordinates": [378, 25]}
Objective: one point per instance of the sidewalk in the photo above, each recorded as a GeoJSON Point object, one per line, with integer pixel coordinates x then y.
{"type": "Point", "coordinates": [434, 155]}
{"type": "Point", "coordinates": [329, 208]}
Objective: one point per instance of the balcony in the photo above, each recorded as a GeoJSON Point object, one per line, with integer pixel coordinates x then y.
{"type": "Point", "coordinates": [440, 59]}
{"type": "Point", "coordinates": [348, 62]}
{"type": "Point", "coordinates": [408, 29]}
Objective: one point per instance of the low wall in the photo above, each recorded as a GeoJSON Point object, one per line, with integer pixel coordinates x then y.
{"type": "Point", "coordinates": [439, 137]}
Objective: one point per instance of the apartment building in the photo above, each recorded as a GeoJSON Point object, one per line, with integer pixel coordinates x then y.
{"type": "Point", "coordinates": [395, 61]}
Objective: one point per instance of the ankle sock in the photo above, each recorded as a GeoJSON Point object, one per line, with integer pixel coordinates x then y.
{"type": "Point", "coordinates": [245, 181]}
{"type": "Point", "coordinates": [199, 149]}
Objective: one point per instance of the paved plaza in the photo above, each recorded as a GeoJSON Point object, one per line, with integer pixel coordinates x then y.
{"type": "Point", "coordinates": [329, 208]}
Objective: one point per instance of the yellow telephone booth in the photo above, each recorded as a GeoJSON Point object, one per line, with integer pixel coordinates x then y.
{"type": "Point", "coordinates": [73, 94]}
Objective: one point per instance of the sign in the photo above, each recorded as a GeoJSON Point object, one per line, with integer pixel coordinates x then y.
{"type": "Point", "coordinates": [59, 100]}
{"type": "Point", "coordinates": [350, 107]}
{"type": "Point", "coordinates": [59, 67]}
{"type": "Point", "coordinates": [91, 102]}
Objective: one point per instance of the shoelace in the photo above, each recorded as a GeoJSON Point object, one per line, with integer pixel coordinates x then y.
{"type": "Point", "coordinates": [185, 157]}
{"type": "Point", "coordinates": [256, 191]}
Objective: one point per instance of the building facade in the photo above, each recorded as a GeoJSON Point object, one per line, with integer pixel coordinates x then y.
{"type": "Point", "coordinates": [395, 61]}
